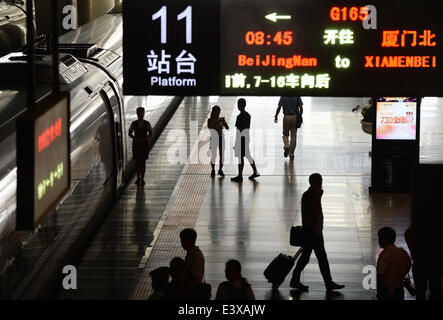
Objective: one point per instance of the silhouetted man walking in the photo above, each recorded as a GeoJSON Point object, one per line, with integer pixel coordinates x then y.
{"type": "Point", "coordinates": [292, 109]}
{"type": "Point", "coordinates": [241, 147]}
{"type": "Point", "coordinates": [312, 219]}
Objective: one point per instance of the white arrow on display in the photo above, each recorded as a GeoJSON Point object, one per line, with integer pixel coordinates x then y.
{"type": "Point", "coordinates": [274, 17]}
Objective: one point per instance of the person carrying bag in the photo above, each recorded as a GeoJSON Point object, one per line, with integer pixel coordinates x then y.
{"type": "Point", "coordinates": [292, 120]}
{"type": "Point", "coordinates": [310, 236]}
{"type": "Point", "coordinates": [300, 237]}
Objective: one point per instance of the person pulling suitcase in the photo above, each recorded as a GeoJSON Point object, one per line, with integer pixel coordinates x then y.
{"type": "Point", "coordinates": [309, 237]}
{"type": "Point", "coordinates": [312, 219]}
{"type": "Point", "coordinates": [279, 268]}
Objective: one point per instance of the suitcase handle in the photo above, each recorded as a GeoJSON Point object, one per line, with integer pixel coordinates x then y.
{"type": "Point", "coordinates": [298, 253]}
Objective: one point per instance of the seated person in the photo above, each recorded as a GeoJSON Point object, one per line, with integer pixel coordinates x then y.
{"type": "Point", "coordinates": [237, 287]}
{"type": "Point", "coordinates": [194, 260]}
{"type": "Point", "coordinates": [160, 282]}
{"type": "Point", "coordinates": [177, 289]}
{"type": "Point", "coordinates": [201, 291]}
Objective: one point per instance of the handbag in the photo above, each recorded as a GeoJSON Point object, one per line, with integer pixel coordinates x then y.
{"type": "Point", "coordinates": [408, 285]}
{"type": "Point", "coordinates": [299, 121]}
{"type": "Point", "coordinates": [299, 236]}
{"type": "Point", "coordinates": [296, 237]}
{"type": "Point", "coordinates": [201, 291]}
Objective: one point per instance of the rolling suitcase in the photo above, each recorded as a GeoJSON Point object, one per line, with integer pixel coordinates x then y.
{"type": "Point", "coordinates": [279, 268]}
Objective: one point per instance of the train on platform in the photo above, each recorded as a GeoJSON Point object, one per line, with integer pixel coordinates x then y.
{"type": "Point", "coordinates": [91, 70]}
{"type": "Point", "coordinates": [12, 27]}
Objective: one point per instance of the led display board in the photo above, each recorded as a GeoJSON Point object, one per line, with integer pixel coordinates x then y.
{"type": "Point", "coordinates": [396, 119]}
{"type": "Point", "coordinates": [282, 47]}
{"type": "Point", "coordinates": [172, 47]}
{"type": "Point", "coordinates": [43, 159]}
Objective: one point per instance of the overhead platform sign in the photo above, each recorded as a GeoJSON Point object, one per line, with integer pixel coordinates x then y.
{"type": "Point", "coordinates": [283, 47]}
{"type": "Point", "coordinates": [43, 159]}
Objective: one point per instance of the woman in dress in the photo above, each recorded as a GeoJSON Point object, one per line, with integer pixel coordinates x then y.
{"type": "Point", "coordinates": [140, 131]}
{"type": "Point", "coordinates": [216, 124]}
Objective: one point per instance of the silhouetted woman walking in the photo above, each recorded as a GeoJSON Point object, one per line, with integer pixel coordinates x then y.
{"type": "Point", "coordinates": [216, 124]}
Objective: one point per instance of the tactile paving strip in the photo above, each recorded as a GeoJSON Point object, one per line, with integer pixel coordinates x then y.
{"type": "Point", "coordinates": [181, 212]}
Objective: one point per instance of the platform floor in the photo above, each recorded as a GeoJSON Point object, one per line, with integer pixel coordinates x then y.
{"type": "Point", "coordinates": [109, 266]}
{"type": "Point", "coordinates": [251, 221]}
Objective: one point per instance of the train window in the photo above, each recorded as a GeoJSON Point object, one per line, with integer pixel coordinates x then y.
{"type": "Point", "coordinates": [93, 144]}
{"type": "Point", "coordinates": [67, 60]}
{"type": "Point", "coordinates": [105, 147]}
{"type": "Point", "coordinates": [7, 152]}
{"type": "Point", "coordinates": [89, 90]}
{"type": "Point", "coordinates": [108, 95]}
{"type": "Point", "coordinates": [118, 119]}
{"type": "Point", "coordinates": [8, 178]}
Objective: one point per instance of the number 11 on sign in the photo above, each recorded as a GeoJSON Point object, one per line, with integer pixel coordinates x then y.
{"type": "Point", "coordinates": [162, 14]}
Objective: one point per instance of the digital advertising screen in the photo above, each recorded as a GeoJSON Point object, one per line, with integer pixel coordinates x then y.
{"type": "Point", "coordinates": [282, 47]}
{"type": "Point", "coordinates": [396, 119]}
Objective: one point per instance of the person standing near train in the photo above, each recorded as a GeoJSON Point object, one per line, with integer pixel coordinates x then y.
{"type": "Point", "coordinates": [140, 131]}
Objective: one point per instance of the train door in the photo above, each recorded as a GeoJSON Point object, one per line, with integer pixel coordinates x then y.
{"type": "Point", "coordinates": [112, 102]}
